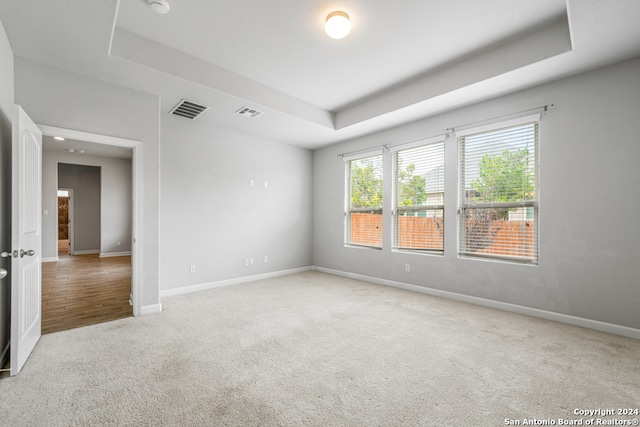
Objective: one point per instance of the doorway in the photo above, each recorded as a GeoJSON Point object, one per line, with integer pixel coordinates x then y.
{"type": "Point", "coordinates": [108, 143]}
{"type": "Point", "coordinates": [65, 221]}
{"type": "Point", "coordinates": [86, 182]}
{"type": "Point", "coordinates": [91, 283]}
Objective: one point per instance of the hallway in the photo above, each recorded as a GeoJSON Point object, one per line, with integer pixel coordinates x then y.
{"type": "Point", "coordinates": [83, 290]}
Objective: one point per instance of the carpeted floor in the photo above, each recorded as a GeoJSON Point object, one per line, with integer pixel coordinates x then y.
{"type": "Point", "coordinates": [312, 349]}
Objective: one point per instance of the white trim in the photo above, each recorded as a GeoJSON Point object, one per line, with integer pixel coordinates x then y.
{"type": "Point", "coordinates": [87, 252]}
{"type": "Point", "coordinates": [137, 232]}
{"type": "Point", "coordinates": [137, 190]}
{"type": "Point", "coordinates": [112, 254]}
{"type": "Point", "coordinates": [513, 308]}
{"type": "Point", "coordinates": [460, 132]}
{"type": "Point", "coordinates": [229, 282]}
{"type": "Point", "coordinates": [113, 27]}
{"type": "Point", "coordinates": [50, 259]}
{"type": "Point", "coordinates": [89, 137]}
{"type": "Point", "coordinates": [150, 309]}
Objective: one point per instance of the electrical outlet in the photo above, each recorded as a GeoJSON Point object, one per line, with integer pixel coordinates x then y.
{"type": "Point", "coordinates": [266, 259]}
{"type": "Point", "coordinates": [250, 261]}
{"type": "Point", "coordinates": [192, 268]}
{"type": "Point", "coordinates": [251, 183]}
{"type": "Point", "coordinates": [407, 267]}
{"type": "Point", "coordinates": [246, 262]}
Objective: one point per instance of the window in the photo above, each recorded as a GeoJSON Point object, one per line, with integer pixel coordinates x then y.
{"type": "Point", "coordinates": [498, 194]}
{"type": "Point", "coordinates": [418, 197]}
{"type": "Point", "coordinates": [363, 214]}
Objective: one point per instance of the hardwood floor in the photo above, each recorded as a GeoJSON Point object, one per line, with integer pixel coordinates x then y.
{"type": "Point", "coordinates": [83, 290]}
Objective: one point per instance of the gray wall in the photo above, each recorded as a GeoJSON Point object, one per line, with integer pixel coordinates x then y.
{"type": "Point", "coordinates": [115, 201]}
{"type": "Point", "coordinates": [589, 204]}
{"type": "Point", "coordinates": [55, 97]}
{"type": "Point", "coordinates": [6, 108]}
{"type": "Point", "coordinates": [212, 218]}
{"type": "Point", "coordinates": [85, 182]}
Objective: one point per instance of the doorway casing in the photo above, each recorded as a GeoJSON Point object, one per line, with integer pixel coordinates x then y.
{"type": "Point", "coordinates": [136, 223]}
{"type": "Point", "coordinates": [70, 222]}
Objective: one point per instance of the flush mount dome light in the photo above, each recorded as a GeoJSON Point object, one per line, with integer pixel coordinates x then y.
{"type": "Point", "coordinates": [159, 6]}
{"type": "Point", "coordinates": [58, 138]}
{"type": "Point", "coordinates": [338, 25]}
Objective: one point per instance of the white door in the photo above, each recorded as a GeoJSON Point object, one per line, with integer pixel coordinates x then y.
{"type": "Point", "coordinates": [26, 238]}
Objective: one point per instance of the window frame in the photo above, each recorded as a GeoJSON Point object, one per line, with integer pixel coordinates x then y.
{"type": "Point", "coordinates": [349, 210]}
{"type": "Point", "coordinates": [532, 205]}
{"type": "Point", "coordinates": [396, 209]}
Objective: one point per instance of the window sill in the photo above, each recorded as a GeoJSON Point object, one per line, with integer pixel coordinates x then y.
{"type": "Point", "coordinates": [513, 261]}
{"type": "Point", "coordinates": [375, 248]}
{"type": "Point", "coordinates": [418, 252]}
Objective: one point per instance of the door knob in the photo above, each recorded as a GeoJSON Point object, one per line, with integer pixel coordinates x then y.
{"type": "Point", "coordinates": [30, 252]}
{"type": "Point", "coordinates": [3, 273]}
{"type": "Point", "coordinates": [5, 255]}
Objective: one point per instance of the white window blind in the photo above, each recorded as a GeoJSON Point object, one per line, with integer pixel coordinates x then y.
{"type": "Point", "coordinates": [498, 194]}
{"type": "Point", "coordinates": [363, 214]}
{"type": "Point", "coordinates": [418, 197]}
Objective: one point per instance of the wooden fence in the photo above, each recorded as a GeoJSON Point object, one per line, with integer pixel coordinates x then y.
{"type": "Point", "coordinates": [511, 238]}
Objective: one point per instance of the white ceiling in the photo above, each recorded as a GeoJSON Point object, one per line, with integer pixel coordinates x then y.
{"type": "Point", "coordinates": [402, 61]}
{"type": "Point", "coordinates": [282, 45]}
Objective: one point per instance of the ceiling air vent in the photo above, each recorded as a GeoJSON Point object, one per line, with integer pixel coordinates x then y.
{"type": "Point", "coordinates": [249, 112]}
{"type": "Point", "coordinates": [188, 109]}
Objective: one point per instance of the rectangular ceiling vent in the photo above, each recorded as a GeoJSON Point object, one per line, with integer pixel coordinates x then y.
{"type": "Point", "coordinates": [249, 112]}
{"type": "Point", "coordinates": [188, 109]}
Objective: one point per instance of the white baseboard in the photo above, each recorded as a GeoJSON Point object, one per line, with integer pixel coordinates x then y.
{"type": "Point", "coordinates": [150, 309]}
{"type": "Point", "coordinates": [86, 252]}
{"type": "Point", "coordinates": [50, 259]}
{"type": "Point", "coordinates": [111, 254]}
{"type": "Point", "coordinates": [229, 282]}
{"type": "Point", "coordinates": [528, 311]}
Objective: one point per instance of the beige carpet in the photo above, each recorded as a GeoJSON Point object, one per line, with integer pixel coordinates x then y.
{"type": "Point", "coordinates": [313, 349]}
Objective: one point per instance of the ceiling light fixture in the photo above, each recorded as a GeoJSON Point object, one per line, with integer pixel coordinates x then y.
{"type": "Point", "coordinates": [159, 6]}
{"type": "Point", "coordinates": [338, 25]}
{"type": "Point", "coordinates": [58, 138]}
